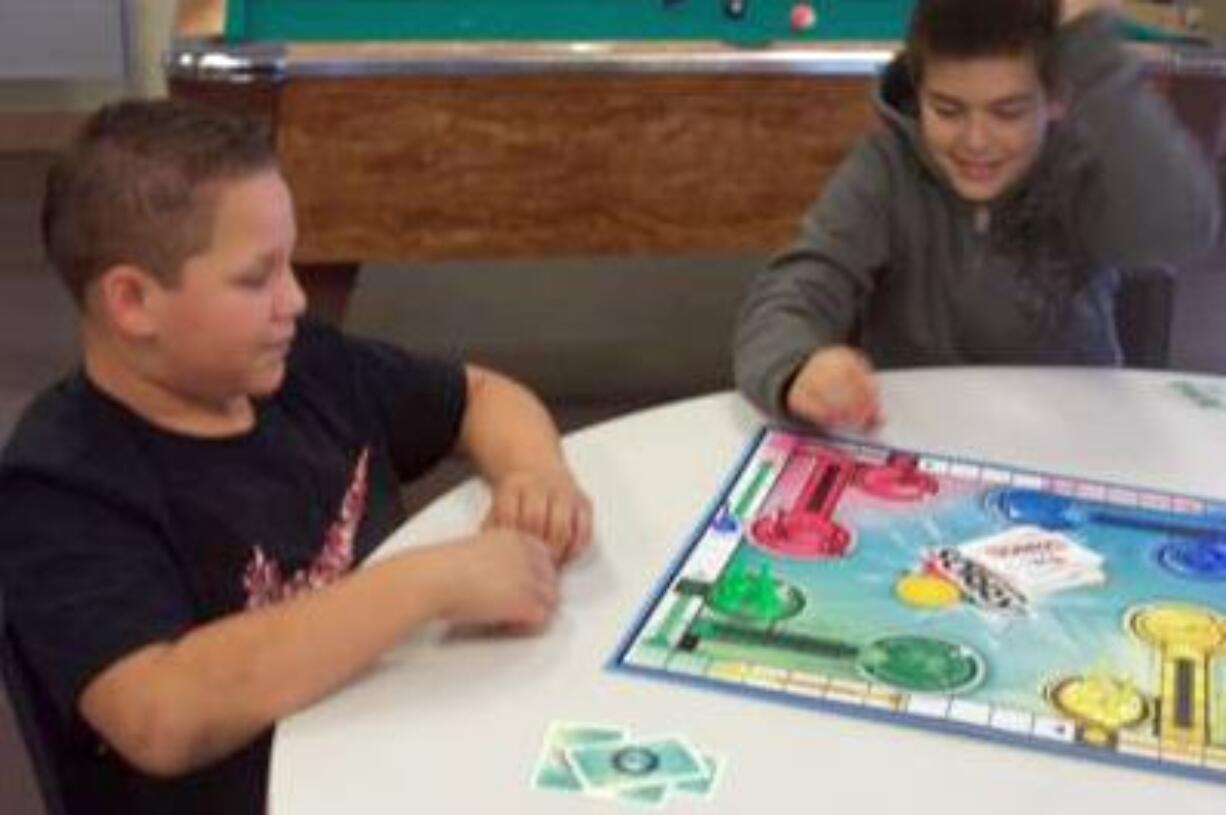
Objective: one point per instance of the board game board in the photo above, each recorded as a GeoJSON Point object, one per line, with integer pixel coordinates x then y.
{"type": "Point", "coordinates": [1079, 617]}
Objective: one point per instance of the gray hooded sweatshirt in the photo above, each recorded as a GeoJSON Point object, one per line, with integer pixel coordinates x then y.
{"type": "Point", "coordinates": [891, 259]}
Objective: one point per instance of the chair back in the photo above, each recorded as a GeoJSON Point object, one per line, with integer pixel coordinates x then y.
{"type": "Point", "coordinates": [28, 784]}
{"type": "Point", "coordinates": [1144, 311]}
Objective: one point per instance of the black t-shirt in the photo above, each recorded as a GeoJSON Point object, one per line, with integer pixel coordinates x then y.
{"type": "Point", "coordinates": [115, 535]}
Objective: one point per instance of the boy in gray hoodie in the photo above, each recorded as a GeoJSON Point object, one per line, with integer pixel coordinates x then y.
{"type": "Point", "coordinates": [1022, 166]}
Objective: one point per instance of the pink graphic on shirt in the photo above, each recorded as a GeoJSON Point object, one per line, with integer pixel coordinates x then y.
{"type": "Point", "coordinates": [262, 578]}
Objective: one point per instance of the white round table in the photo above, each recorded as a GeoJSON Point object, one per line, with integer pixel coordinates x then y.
{"type": "Point", "coordinates": [454, 726]}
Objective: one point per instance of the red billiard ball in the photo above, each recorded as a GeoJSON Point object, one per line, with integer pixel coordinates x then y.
{"type": "Point", "coordinates": [803, 17]}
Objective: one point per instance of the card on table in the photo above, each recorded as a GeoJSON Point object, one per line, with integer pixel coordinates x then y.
{"type": "Point", "coordinates": [607, 761]}
{"type": "Point", "coordinates": [635, 763]}
{"type": "Point", "coordinates": [552, 771]}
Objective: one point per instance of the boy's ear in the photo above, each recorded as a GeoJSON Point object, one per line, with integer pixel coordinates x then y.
{"type": "Point", "coordinates": [128, 297]}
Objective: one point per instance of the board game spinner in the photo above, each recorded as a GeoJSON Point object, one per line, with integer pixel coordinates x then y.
{"type": "Point", "coordinates": [1079, 617]}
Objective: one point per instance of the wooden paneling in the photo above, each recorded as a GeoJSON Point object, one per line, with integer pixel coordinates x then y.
{"type": "Point", "coordinates": [552, 165]}
{"type": "Point", "coordinates": [429, 167]}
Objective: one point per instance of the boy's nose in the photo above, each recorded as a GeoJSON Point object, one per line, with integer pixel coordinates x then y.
{"type": "Point", "coordinates": [291, 298]}
{"type": "Point", "coordinates": [975, 136]}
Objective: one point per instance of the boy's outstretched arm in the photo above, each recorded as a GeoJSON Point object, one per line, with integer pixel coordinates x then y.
{"type": "Point", "coordinates": [514, 443]}
{"type": "Point", "coordinates": [1072, 9]}
{"type": "Point", "coordinates": [836, 389]}
{"type": "Point", "coordinates": [169, 708]}
{"type": "Point", "coordinates": [805, 303]}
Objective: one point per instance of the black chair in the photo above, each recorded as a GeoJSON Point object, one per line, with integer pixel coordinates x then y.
{"type": "Point", "coordinates": [1144, 310]}
{"type": "Point", "coordinates": [30, 786]}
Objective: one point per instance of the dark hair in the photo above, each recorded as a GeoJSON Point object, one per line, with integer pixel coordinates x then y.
{"type": "Point", "coordinates": [968, 29]}
{"type": "Point", "coordinates": [132, 187]}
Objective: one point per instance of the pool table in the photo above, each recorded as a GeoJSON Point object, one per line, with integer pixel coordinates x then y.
{"type": "Point", "coordinates": [478, 129]}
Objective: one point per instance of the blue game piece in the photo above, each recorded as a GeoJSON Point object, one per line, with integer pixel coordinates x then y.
{"type": "Point", "coordinates": [1198, 559]}
{"type": "Point", "coordinates": [1021, 506]}
{"type": "Point", "coordinates": [725, 521]}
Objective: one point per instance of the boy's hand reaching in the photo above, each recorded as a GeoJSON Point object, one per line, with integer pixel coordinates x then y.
{"type": "Point", "coordinates": [499, 577]}
{"type": "Point", "coordinates": [835, 388]}
{"type": "Point", "coordinates": [546, 503]}
{"type": "Point", "coordinates": [1072, 9]}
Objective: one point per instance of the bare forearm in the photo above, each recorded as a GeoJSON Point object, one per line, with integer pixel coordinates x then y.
{"type": "Point", "coordinates": [222, 684]}
{"type": "Point", "coordinates": [506, 428]}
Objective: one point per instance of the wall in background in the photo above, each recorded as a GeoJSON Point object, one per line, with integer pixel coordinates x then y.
{"type": "Point", "coordinates": [149, 24]}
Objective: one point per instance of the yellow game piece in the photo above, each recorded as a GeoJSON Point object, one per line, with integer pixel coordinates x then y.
{"type": "Point", "coordinates": [1102, 703]}
{"type": "Point", "coordinates": [927, 591]}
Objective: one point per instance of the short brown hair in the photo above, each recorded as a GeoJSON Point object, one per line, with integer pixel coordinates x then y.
{"type": "Point", "coordinates": [969, 29]}
{"type": "Point", "coordinates": [130, 189]}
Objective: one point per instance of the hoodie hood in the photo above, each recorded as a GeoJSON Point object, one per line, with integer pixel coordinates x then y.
{"type": "Point", "coordinates": [897, 102]}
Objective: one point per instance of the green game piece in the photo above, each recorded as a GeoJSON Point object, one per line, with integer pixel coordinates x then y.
{"type": "Point", "coordinates": [766, 601]}
{"type": "Point", "coordinates": [758, 596]}
{"type": "Point", "coordinates": [730, 589]}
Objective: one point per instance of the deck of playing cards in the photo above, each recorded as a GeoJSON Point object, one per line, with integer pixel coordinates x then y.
{"type": "Point", "coordinates": [1036, 561]}
{"type": "Point", "coordinates": [608, 762]}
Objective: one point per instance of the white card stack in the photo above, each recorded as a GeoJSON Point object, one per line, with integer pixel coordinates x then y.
{"type": "Point", "coordinates": [1036, 561]}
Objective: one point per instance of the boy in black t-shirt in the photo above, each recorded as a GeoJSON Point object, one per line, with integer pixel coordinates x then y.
{"type": "Point", "coordinates": [180, 519]}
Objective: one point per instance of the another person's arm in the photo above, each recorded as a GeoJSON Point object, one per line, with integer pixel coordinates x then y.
{"type": "Point", "coordinates": [1148, 196]}
{"type": "Point", "coordinates": [1072, 9]}
{"type": "Point", "coordinates": [791, 355]}
{"type": "Point", "coordinates": [835, 388]}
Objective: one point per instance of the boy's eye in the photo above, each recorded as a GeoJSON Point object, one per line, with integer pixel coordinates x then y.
{"type": "Point", "coordinates": [1012, 113]}
{"type": "Point", "coordinates": [945, 112]}
{"type": "Point", "coordinates": [254, 280]}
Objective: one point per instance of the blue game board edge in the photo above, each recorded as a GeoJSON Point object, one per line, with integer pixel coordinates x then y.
{"type": "Point", "coordinates": [662, 583]}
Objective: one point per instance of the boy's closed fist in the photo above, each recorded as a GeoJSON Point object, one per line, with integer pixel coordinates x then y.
{"type": "Point", "coordinates": [835, 388]}
{"type": "Point", "coordinates": [546, 503]}
{"type": "Point", "coordinates": [499, 577]}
